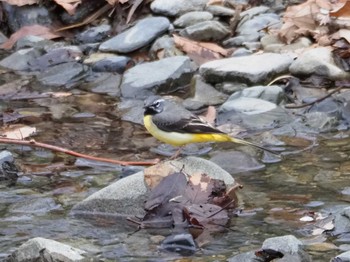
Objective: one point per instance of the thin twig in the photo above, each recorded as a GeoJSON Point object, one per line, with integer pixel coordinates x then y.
{"type": "Point", "coordinates": [316, 101]}
{"type": "Point", "coordinates": [33, 143]}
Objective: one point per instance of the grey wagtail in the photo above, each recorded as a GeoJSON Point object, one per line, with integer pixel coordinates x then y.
{"type": "Point", "coordinates": [171, 123]}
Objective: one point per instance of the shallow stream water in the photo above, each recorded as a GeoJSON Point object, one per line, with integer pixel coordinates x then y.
{"type": "Point", "coordinates": [273, 199]}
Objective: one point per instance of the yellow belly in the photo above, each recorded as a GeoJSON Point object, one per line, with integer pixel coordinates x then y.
{"type": "Point", "coordinates": [180, 139]}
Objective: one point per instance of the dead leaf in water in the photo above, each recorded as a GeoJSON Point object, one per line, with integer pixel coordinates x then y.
{"type": "Point", "coordinates": [18, 131]}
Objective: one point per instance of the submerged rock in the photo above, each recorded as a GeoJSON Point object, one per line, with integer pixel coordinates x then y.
{"type": "Point", "coordinates": [141, 34]}
{"type": "Point", "coordinates": [42, 249]}
{"type": "Point", "coordinates": [166, 75]}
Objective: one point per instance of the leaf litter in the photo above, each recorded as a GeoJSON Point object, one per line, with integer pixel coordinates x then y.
{"type": "Point", "coordinates": [189, 202]}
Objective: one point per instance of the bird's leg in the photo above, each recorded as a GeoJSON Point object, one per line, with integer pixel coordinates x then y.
{"type": "Point", "coordinates": [177, 153]}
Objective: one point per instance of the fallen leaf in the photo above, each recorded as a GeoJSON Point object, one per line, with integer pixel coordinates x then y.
{"type": "Point", "coordinates": [69, 5]}
{"type": "Point", "coordinates": [37, 30]}
{"type": "Point", "coordinates": [18, 131]}
{"type": "Point", "coordinates": [114, 2]}
{"type": "Point", "coordinates": [343, 11]}
{"type": "Point", "coordinates": [200, 52]}
{"type": "Point", "coordinates": [210, 115]}
{"type": "Point", "coordinates": [21, 2]}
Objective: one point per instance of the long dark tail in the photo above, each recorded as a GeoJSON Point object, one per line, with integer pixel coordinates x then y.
{"type": "Point", "coordinates": [243, 142]}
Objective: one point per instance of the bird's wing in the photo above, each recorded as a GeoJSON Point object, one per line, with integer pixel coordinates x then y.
{"type": "Point", "coordinates": [191, 124]}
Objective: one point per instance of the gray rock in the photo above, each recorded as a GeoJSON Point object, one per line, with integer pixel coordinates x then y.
{"type": "Point", "coordinates": [19, 16]}
{"type": "Point", "coordinates": [341, 221]}
{"type": "Point", "coordinates": [3, 38]}
{"type": "Point", "coordinates": [241, 52]}
{"type": "Point", "coordinates": [236, 162]}
{"type": "Point", "coordinates": [275, 118]}
{"type": "Point", "coordinates": [192, 18]}
{"type": "Point", "coordinates": [103, 83]}
{"type": "Point", "coordinates": [177, 7]}
{"type": "Point", "coordinates": [140, 35]}
{"type": "Point", "coordinates": [35, 206]}
{"type": "Point", "coordinates": [66, 74]}
{"type": "Point", "coordinates": [19, 60]}
{"type": "Point", "coordinates": [253, 69]}
{"type": "Point", "coordinates": [218, 10]}
{"type": "Point", "coordinates": [321, 122]}
{"type": "Point", "coordinates": [54, 57]}
{"type": "Point", "coordinates": [246, 257]}
{"type": "Point", "coordinates": [204, 95]}
{"type": "Point", "coordinates": [289, 246]}
{"type": "Point", "coordinates": [117, 64]}
{"type": "Point", "coordinates": [164, 47]}
{"type": "Point", "coordinates": [318, 61]}
{"type": "Point", "coordinates": [249, 30]}
{"type": "Point", "coordinates": [273, 94]}
{"type": "Point", "coordinates": [343, 257]}
{"type": "Point", "coordinates": [126, 196]}
{"type": "Point", "coordinates": [206, 31]}
{"type": "Point", "coordinates": [247, 105]}
{"type": "Point", "coordinates": [94, 34]}
{"type": "Point", "coordinates": [42, 249]}
{"type": "Point", "coordinates": [272, 43]}
{"type": "Point", "coordinates": [132, 110]}
{"type": "Point", "coordinates": [29, 41]}
{"type": "Point", "coordinates": [8, 169]}
{"type": "Point", "coordinates": [163, 76]}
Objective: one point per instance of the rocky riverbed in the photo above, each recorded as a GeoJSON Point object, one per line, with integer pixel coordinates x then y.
{"type": "Point", "coordinates": [295, 206]}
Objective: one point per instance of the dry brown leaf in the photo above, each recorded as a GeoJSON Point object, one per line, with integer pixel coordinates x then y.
{"type": "Point", "coordinates": [18, 131]}
{"type": "Point", "coordinates": [69, 5]}
{"type": "Point", "coordinates": [37, 30]}
{"type": "Point", "coordinates": [343, 11]}
{"type": "Point", "coordinates": [200, 52]}
{"type": "Point", "coordinates": [342, 33]}
{"type": "Point", "coordinates": [21, 2]}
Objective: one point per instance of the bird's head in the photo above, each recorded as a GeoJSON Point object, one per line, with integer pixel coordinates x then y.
{"type": "Point", "coordinates": [154, 105]}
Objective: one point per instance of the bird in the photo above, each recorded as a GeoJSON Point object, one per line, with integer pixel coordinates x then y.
{"type": "Point", "coordinates": [173, 124]}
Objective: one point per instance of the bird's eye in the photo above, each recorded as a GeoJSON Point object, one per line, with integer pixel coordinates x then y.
{"type": "Point", "coordinates": [156, 104]}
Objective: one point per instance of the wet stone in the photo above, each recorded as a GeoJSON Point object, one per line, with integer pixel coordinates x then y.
{"type": "Point", "coordinates": [273, 94]}
{"type": "Point", "coordinates": [253, 69]}
{"type": "Point", "coordinates": [180, 243]}
{"type": "Point", "coordinates": [116, 64]}
{"type": "Point", "coordinates": [103, 83]}
{"type": "Point", "coordinates": [140, 35]}
{"type": "Point", "coordinates": [42, 249]}
{"type": "Point", "coordinates": [67, 74]}
{"type": "Point", "coordinates": [19, 16]}
{"type": "Point", "coordinates": [94, 34]}
{"type": "Point", "coordinates": [19, 60]}
{"type": "Point", "coordinates": [177, 7]}
{"type": "Point", "coordinates": [55, 57]}
{"type": "Point", "coordinates": [249, 30]}
{"type": "Point", "coordinates": [247, 105]}
{"type": "Point", "coordinates": [289, 246]}
{"type": "Point", "coordinates": [30, 41]}
{"type": "Point", "coordinates": [192, 18]}
{"type": "Point", "coordinates": [206, 31]}
{"type": "Point", "coordinates": [165, 75]}
{"type": "Point", "coordinates": [35, 206]}
{"type": "Point", "coordinates": [164, 47]}
{"type": "Point", "coordinates": [205, 95]}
